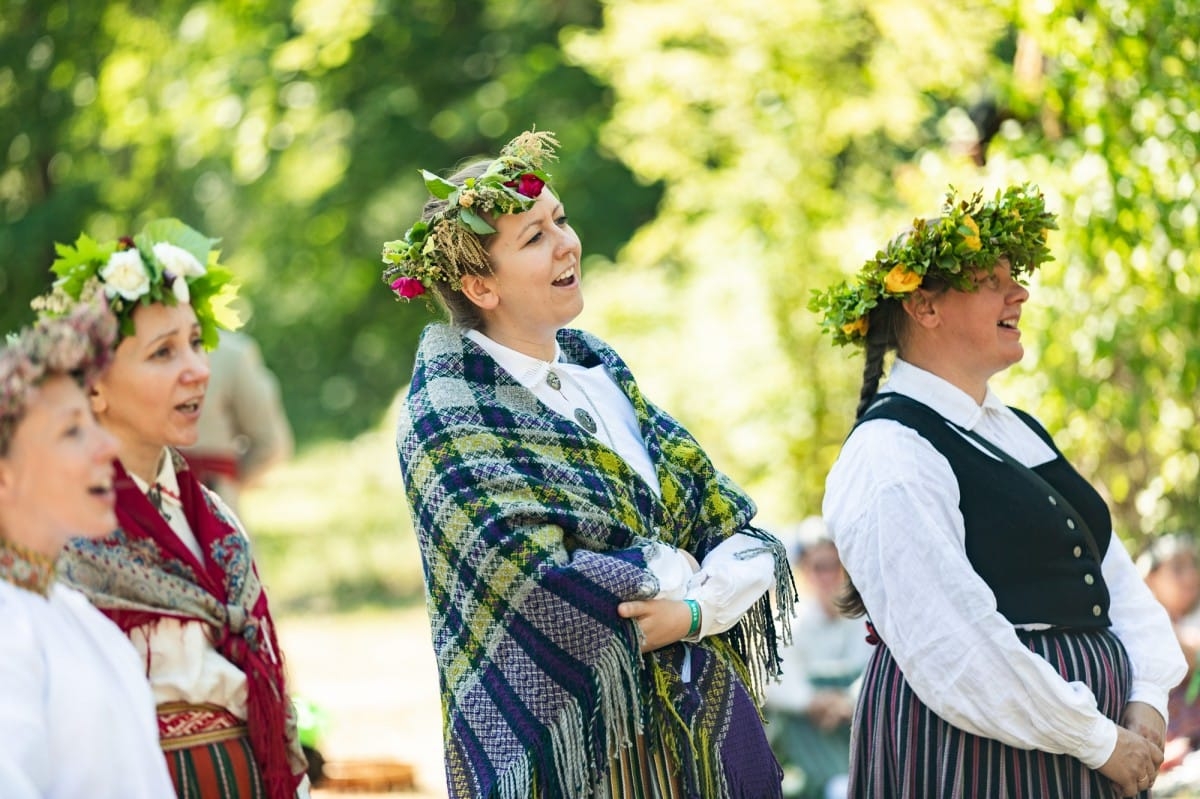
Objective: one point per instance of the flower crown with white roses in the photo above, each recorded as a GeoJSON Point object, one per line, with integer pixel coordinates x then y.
{"type": "Point", "coordinates": [970, 235]}
{"type": "Point", "coordinates": [79, 345]}
{"type": "Point", "coordinates": [167, 262]}
{"type": "Point", "coordinates": [435, 250]}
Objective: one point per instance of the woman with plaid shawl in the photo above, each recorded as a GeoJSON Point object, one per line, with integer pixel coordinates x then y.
{"type": "Point", "coordinates": [597, 591]}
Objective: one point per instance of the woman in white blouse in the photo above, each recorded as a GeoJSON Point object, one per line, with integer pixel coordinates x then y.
{"type": "Point", "coordinates": [76, 714]}
{"type": "Point", "coordinates": [1019, 652]}
{"type": "Point", "coordinates": [178, 575]}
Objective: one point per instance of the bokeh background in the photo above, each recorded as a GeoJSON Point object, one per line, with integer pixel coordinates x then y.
{"type": "Point", "coordinates": [721, 160]}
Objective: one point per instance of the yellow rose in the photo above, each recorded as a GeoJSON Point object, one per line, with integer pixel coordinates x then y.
{"type": "Point", "coordinates": [900, 280]}
{"type": "Point", "coordinates": [972, 241]}
{"type": "Point", "coordinates": [858, 326]}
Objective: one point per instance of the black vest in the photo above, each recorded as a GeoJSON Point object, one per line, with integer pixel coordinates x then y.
{"type": "Point", "coordinates": [1031, 551]}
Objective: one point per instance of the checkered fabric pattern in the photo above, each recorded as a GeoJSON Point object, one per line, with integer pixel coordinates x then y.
{"type": "Point", "coordinates": [531, 532]}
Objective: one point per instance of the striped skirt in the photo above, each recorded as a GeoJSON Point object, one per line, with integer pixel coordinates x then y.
{"type": "Point", "coordinates": [208, 753]}
{"type": "Point", "coordinates": [901, 750]}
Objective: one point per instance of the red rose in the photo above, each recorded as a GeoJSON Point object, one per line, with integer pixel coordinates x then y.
{"type": "Point", "coordinates": [408, 287]}
{"type": "Point", "coordinates": [527, 185]}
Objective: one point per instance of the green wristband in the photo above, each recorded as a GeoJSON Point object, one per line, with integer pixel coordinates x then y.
{"type": "Point", "coordinates": [694, 607]}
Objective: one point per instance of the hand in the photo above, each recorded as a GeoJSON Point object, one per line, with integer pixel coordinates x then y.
{"type": "Point", "coordinates": [1145, 721]}
{"type": "Point", "coordinates": [661, 621]}
{"type": "Point", "coordinates": [1133, 765]}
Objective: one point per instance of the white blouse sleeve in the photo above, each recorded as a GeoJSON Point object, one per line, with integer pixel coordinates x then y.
{"type": "Point", "coordinates": [728, 583]}
{"type": "Point", "coordinates": [891, 505]}
{"type": "Point", "coordinates": [672, 569]}
{"type": "Point", "coordinates": [1145, 630]}
{"type": "Point", "coordinates": [25, 763]}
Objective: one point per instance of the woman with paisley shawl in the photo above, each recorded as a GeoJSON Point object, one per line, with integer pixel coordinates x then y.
{"type": "Point", "coordinates": [597, 589]}
{"type": "Point", "coordinates": [178, 576]}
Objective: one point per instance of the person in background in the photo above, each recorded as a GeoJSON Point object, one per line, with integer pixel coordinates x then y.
{"type": "Point", "coordinates": [244, 429]}
{"type": "Point", "coordinates": [810, 708]}
{"type": "Point", "coordinates": [76, 714]}
{"type": "Point", "coordinates": [597, 589]}
{"type": "Point", "coordinates": [1168, 565]}
{"type": "Point", "coordinates": [178, 575]}
{"type": "Point", "coordinates": [1020, 652]}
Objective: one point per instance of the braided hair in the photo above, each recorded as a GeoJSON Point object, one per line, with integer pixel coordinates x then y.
{"type": "Point", "coordinates": [888, 323]}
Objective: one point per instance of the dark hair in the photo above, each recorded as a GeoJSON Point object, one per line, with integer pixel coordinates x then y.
{"type": "Point", "coordinates": [887, 326]}
{"type": "Point", "coordinates": [462, 312]}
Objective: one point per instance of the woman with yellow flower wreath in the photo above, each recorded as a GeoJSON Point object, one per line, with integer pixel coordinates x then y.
{"type": "Point", "coordinates": [178, 576]}
{"type": "Point", "coordinates": [1018, 651]}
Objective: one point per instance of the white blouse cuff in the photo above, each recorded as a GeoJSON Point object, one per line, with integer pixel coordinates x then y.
{"type": "Point", "coordinates": [673, 570]}
{"type": "Point", "coordinates": [1098, 746]}
{"type": "Point", "coordinates": [1153, 695]}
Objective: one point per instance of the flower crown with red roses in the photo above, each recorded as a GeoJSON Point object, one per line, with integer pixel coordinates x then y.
{"type": "Point", "coordinates": [968, 236]}
{"type": "Point", "coordinates": [435, 250]}
{"type": "Point", "coordinates": [167, 262]}
{"type": "Point", "coordinates": [79, 345]}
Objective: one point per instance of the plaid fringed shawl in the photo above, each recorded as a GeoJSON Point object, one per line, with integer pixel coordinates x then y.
{"type": "Point", "coordinates": [531, 533]}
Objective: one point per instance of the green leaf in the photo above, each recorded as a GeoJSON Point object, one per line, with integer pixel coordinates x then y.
{"type": "Point", "coordinates": [175, 232]}
{"type": "Point", "coordinates": [438, 187]}
{"type": "Point", "coordinates": [475, 222]}
{"type": "Point", "coordinates": [85, 252]}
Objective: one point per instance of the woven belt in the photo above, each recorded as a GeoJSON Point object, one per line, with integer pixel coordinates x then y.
{"type": "Point", "coordinates": [181, 725]}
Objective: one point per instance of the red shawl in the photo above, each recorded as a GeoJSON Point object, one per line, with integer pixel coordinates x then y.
{"type": "Point", "coordinates": [143, 572]}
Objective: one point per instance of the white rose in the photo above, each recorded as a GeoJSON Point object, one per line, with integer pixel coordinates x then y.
{"type": "Point", "coordinates": [125, 274]}
{"type": "Point", "coordinates": [180, 289]}
{"type": "Point", "coordinates": [178, 260]}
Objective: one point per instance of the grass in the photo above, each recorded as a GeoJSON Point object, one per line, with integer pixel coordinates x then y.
{"type": "Point", "coordinates": [331, 529]}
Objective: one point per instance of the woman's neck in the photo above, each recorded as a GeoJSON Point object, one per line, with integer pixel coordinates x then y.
{"type": "Point", "coordinates": [30, 531]}
{"type": "Point", "coordinates": [141, 461]}
{"type": "Point", "coordinates": [27, 567]}
{"type": "Point", "coordinates": [544, 348]}
{"type": "Point", "coordinates": [964, 378]}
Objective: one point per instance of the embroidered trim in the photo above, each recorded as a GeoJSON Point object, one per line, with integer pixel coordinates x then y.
{"type": "Point", "coordinates": [182, 725]}
{"type": "Point", "coordinates": [25, 568]}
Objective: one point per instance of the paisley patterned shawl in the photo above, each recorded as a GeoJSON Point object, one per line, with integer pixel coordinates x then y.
{"type": "Point", "coordinates": [144, 572]}
{"type": "Point", "coordinates": [531, 533]}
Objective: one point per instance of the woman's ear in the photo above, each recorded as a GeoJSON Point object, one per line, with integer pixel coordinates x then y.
{"type": "Point", "coordinates": [480, 290]}
{"type": "Point", "coordinates": [96, 397]}
{"type": "Point", "coordinates": [922, 309]}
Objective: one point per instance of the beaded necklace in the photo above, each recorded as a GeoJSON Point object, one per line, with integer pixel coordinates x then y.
{"type": "Point", "coordinates": [26, 568]}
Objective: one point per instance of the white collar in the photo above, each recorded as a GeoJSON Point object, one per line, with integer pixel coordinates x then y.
{"type": "Point", "coordinates": [166, 476]}
{"type": "Point", "coordinates": [525, 369]}
{"type": "Point", "coordinates": [950, 401]}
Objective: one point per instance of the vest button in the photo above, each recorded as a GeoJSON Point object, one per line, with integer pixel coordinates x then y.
{"type": "Point", "coordinates": [1070, 524]}
{"type": "Point", "coordinates": [1089, 579]}
{"type": "Point", "coordinates": [1053, 501]}
{"type": "Point", "coordinates": [1096, 611]}
{"type": "Point", "coordinates": [1078, 551]}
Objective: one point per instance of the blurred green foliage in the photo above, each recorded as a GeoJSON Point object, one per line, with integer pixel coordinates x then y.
{"type": "Point", "coordinates": [293, 130]}
{"type": "Point", "coordinates": [765, 149]}
{"type": "Point", "coordinates": [794, 139]}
